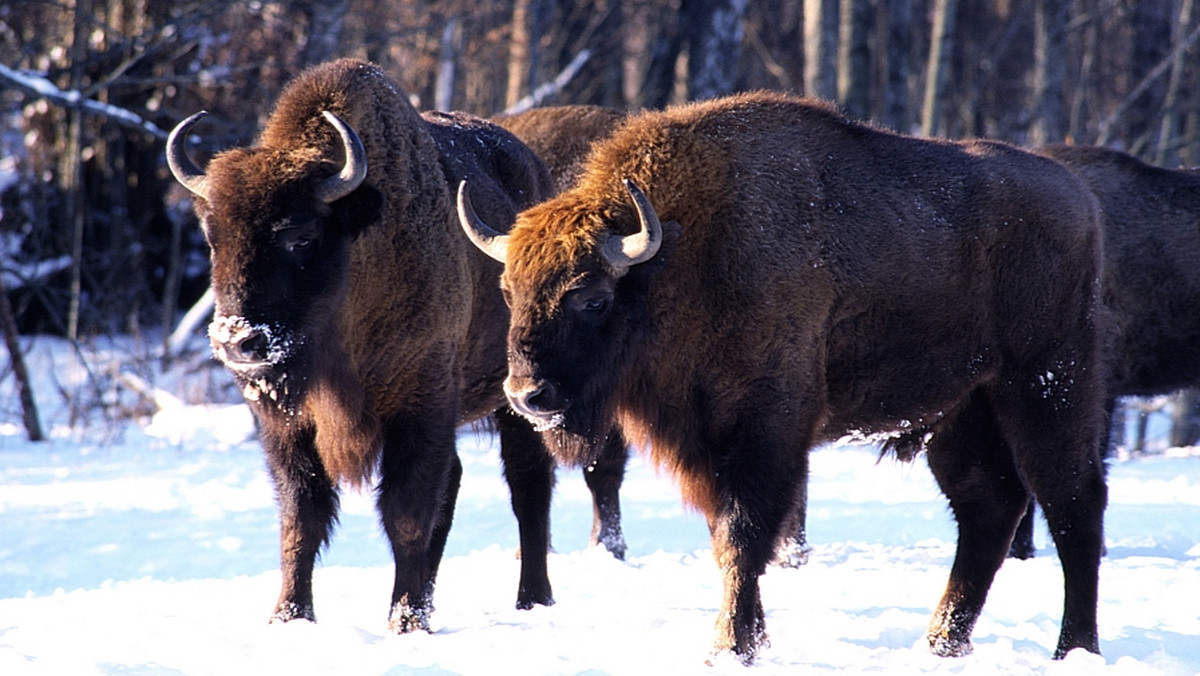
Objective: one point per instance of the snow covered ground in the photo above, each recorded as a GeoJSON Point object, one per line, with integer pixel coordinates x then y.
{"type": "Point", "coordinates": [154, 551]}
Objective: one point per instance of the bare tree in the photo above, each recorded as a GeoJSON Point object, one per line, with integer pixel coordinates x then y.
{"type": "Point", "coordinates": [820, 48]}
{"type": "Point", "coordinates": [714, 39]}
{"type": "Point", "coordinates": [897, 64]}
{"type": "Point", "coordinates": [854, 57]}
{"type": "Point", "coordinates": [1049, 72]}
{"type": "Point", "coordinates": [941, 44]}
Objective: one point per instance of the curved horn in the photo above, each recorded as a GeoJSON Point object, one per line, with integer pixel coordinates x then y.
{"type": "Point", "coordinates": [182, 166]}
{"type": "Point", "coordinates": [629, 250]}
{"type": "Point", "coordinates": [481, 234]}
{"type": "Point", "coordinates": [353, 173]}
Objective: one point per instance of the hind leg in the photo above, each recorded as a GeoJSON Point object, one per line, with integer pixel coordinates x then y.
{"type": "Point", "coordinates": [1063, 468]}
{"type": "Point", "coordinates": [529, 470]}
{"type": "Point", "coordinates": [974, 468]}
{"type": "Point", "coordinates": [603, 478]}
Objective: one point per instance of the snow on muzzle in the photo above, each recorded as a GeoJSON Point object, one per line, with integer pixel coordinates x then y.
{"type": "Point", "coordinates": [253, 352]}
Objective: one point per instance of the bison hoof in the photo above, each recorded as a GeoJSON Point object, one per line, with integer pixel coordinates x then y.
{"type": "Point", "coordinates": [1021, 550]}
{"type": "Point", "coordinates": [287, 611]}
{"type": "Point", "coordinates": [793, 554]}
{"type": "Point", "coordinates": [614, 544]}
{"type": "Point", "coordinates": [406, 619]}
{"type": "Point", "coordinates": [528, 601]}
{"type": "Point", "coordinates": [944, 646]}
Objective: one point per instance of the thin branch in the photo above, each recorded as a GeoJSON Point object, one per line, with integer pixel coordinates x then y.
{"type": "Point", "coordinates": [1151, 77]}
{"type": "Point", "coordinates": [550, 88]}
{"type": "Point", "coordinates": [43, 88]}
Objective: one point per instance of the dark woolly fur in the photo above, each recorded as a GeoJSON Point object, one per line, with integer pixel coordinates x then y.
{"type": "Point", "coordinates": [394, 323]}
{"type": "Point", "coordinates": [819, 278]}
{"type": "Point", "coordinates": [1151, 279]}
{"type": "Point", "coordinates": [1151, 283]}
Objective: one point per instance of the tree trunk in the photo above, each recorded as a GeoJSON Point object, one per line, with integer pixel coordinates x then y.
{"type": "Point", "coordinates": [898, 65]}
{"type": "Point", "coordinates": [520, 55]}
{"type": "Point", "coordinates": [715, 29]}
{"type": "Point", "coordinates": [820, 48]}
{"type": "Point", "coordinates": [1049, 71]}
{"type": "Point", "coordinates": [854, 58]}
{"type": "Point", "coordinates": [324, 30]}
{"type": "Point", "coordinates": [1166, 135]}
{"type": "Point", "coordinates": [8, 324]}
{"type": "Point", "coordinates": [940, 48]}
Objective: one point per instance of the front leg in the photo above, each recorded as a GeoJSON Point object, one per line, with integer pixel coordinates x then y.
{"type": "Point", "coordinates": [308, 506]}
{"type": "Point", "coordinates": [419, 478]}
{"type": "Point", "coordinates": [751, 496]}
{"type": "Point", "coordinates": [604, 478]}
{"type": "Point", "coordinates": [529, 470]}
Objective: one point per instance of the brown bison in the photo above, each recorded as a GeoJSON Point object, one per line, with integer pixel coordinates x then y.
{"type": "Point", "coordinates": [738, 280]}
{"type": "Point", "coordinates": [562, 136]}
{"type": "Point", "coordinates": [361, 325]}
{"type": "Point", "coordinates": [1151, 288]}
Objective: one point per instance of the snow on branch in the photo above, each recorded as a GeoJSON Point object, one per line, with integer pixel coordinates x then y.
{"type": "Point", "coordinates": [41, 87]}
{"type": "Point", "coordinates": [550, 88]}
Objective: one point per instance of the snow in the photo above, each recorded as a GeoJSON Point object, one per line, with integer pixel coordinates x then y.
{"type": "Point", "coordinates": [156, 552]}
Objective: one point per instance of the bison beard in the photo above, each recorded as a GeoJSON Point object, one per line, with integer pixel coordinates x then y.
{"type": "Point", "coordinates": [827, 279]}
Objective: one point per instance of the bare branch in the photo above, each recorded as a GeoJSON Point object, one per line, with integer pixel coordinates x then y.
{"type": "Point", "coordinates": [43, 88]}
{"type": "Point", "coordinates": [550, 88]}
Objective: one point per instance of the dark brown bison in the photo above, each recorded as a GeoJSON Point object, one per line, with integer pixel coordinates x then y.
{"type": "Point", "coordinates": [562, 136]}
{"type": "Point", "coordinates": [737, 280]}
{"type": "Point", "coordinates": [1151, 288]}
{"type": "Point", "coordinates": [361, 325]}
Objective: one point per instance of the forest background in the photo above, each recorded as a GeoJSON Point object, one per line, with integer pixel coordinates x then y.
{"type": "Point", "coordinates": [96, 238]}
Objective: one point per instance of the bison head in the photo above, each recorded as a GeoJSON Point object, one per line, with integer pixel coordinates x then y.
{"type": "Point", "coordinates": [278, 222]}
{"type": "Point", "coordinates": [577, 303]}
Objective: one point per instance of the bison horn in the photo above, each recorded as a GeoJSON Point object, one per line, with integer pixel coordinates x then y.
{"type": "Point", "coordinates": [481, 234]}
{"type": "Point", "coordinates": [182, 166]}
{"type": "Point", "coordinates": [629, 250]}
{"type": "Point", "coordinates": [353, 173]}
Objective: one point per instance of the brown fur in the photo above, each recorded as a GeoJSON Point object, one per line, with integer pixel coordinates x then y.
{"type": "Point", "coordinates": [819, 278]}
{"type": "Point", "coordinates": [386, 327]}
{"type": "Point", "coordinates": [562, 135]}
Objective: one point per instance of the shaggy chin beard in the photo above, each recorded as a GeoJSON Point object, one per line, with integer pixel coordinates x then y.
{"type": "Point", "coordinates": [274, 388]}
{"type": "Point", "coordinates": [574, 438]}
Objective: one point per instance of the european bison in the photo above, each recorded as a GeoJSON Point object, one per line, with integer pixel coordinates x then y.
{"type": "Point", "coordinates": [737, 280]}
{"type": "Point", "coordinates": [562, 136]}
{"type": "Point", "coordinates": [1151, 288]}
{"type": "Point", "coordinates": [361, 325]}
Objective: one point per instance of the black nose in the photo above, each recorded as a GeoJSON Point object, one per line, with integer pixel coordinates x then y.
{"type": "Point", "coordinates": [252, 348]}
{"type": "Point", "coordinates": [536, 399]}
{"type": "Point", "coordinates": [544, 399]}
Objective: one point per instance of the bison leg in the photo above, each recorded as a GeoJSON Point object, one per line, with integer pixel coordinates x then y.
{"type": "Point", "coordinates": [529, 470]}
{"type": "Point", "coordinates": [794, 548]}
{"type": "Point", "coordinates": [419, 476]}
{"type": "Point", "coordinates": [750, 498]}
{"type": "Point", "coordinates": [974, 468]}
{"type": "Point", "coordinates": [1066, 474]}
{"type": "Point", "coordinates": [1022, 544]}
{"type": "Point", "coordinates": [308, 505]}
{"type": "Point", "coordinates": [603, 478]}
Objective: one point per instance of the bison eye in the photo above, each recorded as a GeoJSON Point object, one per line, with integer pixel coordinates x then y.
{"type": "Point", "coordinates": [591, 306]}
{"type": "Point", "coordinates": [595, 305]}
{"type": "Point", "coordinates": [299, 244]}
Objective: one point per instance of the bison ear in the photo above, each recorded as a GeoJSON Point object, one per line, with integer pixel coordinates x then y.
{"type": "Point", "coordinates": [358, 210]}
